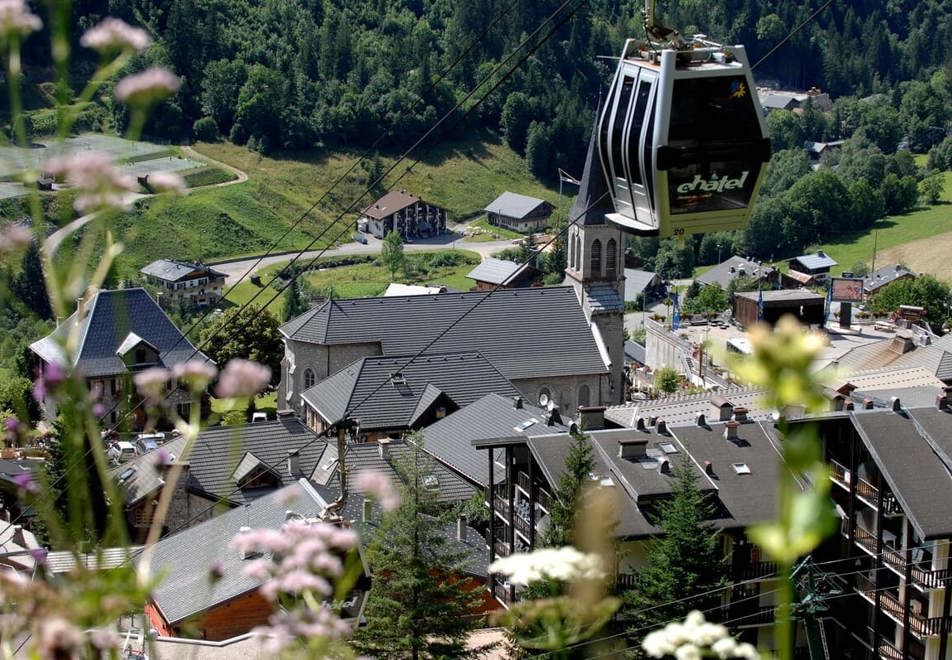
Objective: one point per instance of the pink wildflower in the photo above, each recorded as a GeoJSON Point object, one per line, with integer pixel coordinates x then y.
{"type": "Point", "coordinates": [16, 19]}
{"type": "Point", "coordinates": [196, 375]}
{"type": "Point", "coordinates": [162, 460]}
{"type": "Point", "coordinates": [242, 378]}
{"type": "Point", "coordinates": [59, 639]}
{"type": "Point", "coordinates": [259, 569]}
{"type": "Point", "coordinates": [95, 175]}
{"type": "Point", "coordinates": [105, 640]}
{"type": "Point", "coordinates": [151, 383]}
{"type": "Point", "coordinates": [261, 540]}
{"type": "Point", "coordinates": [113, 34]}
{"type": "Point", "coordinates": [51, 378]}
{"type": "Point", "coordinates": [378, 486]}
{"type": "Point", "coordinates": [26, 483]}
{"type": "Point", "coordinates": [167, 182]}
{"type": "Point", "coordinates": [14, 236]}
{"type": "Point", "coordinates": [147, 87]}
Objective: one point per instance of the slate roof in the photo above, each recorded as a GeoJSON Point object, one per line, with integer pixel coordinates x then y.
{"type": "Point", "coordinates": [682, 409]}
{"type": "Point", "coordinates": [593, 201]}
{"type": "Point", "coordinates": [450, 439]}
{"type": "Point", "coordinates": [815, 261]}
{"type": "Point", "coordinates": [393, 201]}
{"type": "Point", "coordinates": [604, 298]}
{"type": "Point", "coordinates": [525, 333]}
{"type": "Point", "coordinates": [170, 270]}
{"type": "Point", "coordinates": [911, 464]}
{"type": "Point", "coordinates": [883, 276]}
{"type": "Point", "coordinates": [138, 478]}
{"type": "Point", "coordinates": [724, 272]}
{"type": "Point", "coordinates": [514, 205]}
{"type": "Point", "coordinates": [496, 271]}
{"type": "Point", "coordinates": [111, 317]}
{"type": "Point", "coordinates": [636, 281]}
{"type": "Point", "coordinates": [12, 468]}
{"type": "Point", "coordinates": [366, 457]}
{"type": "Point", "coordinates": [934, 358]}
{"type": "Point", "coordinates": [219, 451]}
{"type": "Point", "coordinates": [185, 559]}
{"type": "Point", "coordinates": [634, 352]}
{"type": "Point", "coordinates": [362, 391]}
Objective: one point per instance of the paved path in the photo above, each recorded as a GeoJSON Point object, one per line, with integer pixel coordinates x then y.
{"type": "Point", "coordinates": [237, 271]}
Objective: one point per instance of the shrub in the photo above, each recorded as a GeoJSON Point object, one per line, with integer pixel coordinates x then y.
{"type": "Point", "coordinates": [206, 130]}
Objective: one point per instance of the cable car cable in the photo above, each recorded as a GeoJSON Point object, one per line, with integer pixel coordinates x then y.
{"type": "Point", "coordinates": [792, 33]}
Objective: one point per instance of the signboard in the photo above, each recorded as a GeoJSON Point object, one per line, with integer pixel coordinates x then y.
{"type": "Point", "coordinates": [846, 289]}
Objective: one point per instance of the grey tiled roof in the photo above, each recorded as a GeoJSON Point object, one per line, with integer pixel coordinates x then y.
{"type": "Point", "coordinates": [450, 439]}
{"type": "Point", "coordinates": [724, 272]}
{"type": "Point", "coordinates": [362, 391]}
{"type": "Point", "coordinates": [636, 281]}
{"type": "Point", "coordinates": [112, 316]}
{"type": "Point", "coordinates": [885, 275]}
{"type": "Point", "coordinates": [219, 451]}
{"type": "Point", "coordinates": [365, 457]}
{"type": "Point", "coordinates": [138, 478]}
{"type": "Point", "coordinates": [173, 271]}
{"type": "Point", "coordinates": [525, 333]}
{"type": "Point", "coordinates": [604, 298]}
{"type": "Point", "coordinates": [514, 205]}
{"type": "Point", "coordinates": [496, 271]}
{"type": "Point", "coordinates": [634, 352]}
{"type": "Point", "coordinates": [680, 410]}
{"type": "Point", "coordinates": [911, 464]}
{"type": "Point", "coordinates": [185, 559]}
{"type": "Point", "coordinates": [815, 261]}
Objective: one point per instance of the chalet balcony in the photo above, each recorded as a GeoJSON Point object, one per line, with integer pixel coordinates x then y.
{"type": "Point", "coordinates": [501, 548]}
{"type": "Point", "coordinates": [502, 506]}
{"type": "Point", "coordinates": [922, 577]}
{"type": "Point", "coordinates": [840, 475]}
{"type": "Point", "coordinates": [889, 652]}
{"type": "Point", "coordinates": [888, 602]}
{"type": "Point", "coordinates": [501, 592]}
{"type": "Point", "coordinates": [755, 570]}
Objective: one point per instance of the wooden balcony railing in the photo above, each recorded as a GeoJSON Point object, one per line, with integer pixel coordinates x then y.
{"type": "Point", "coordinates": [502, 506]}
{"type": "Point", "coordinates": [755, 570]}
{"type": "Point", "coordinates": [889, 652]}
{"type": "Point", "coordinates": [866, 490]}
{"type": "Point", "coordinates": [501, 548]}
{"type": "Point", "coordinates": [890, 604]}
{"type": "Point", "coordinates": [924, 577]}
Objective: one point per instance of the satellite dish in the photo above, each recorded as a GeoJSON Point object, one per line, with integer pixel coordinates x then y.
{"type": "Point", "coordinates": [543, 400]}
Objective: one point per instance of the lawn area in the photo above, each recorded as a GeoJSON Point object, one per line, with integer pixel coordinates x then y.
{"type": "Point", "coordinates": [922, 239]}
{"type": "Point", "coordinates": [446, 267]}
{"type": "Point", "coordinates": [700, 270]}
{"type": "Point", "coordinates": [266, 403]}
{"type": "Point", "coordinates": [490, 232]}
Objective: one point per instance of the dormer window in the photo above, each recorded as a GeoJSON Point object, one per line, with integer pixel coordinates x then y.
{"type": "Point", "coordinates": [741, 468]}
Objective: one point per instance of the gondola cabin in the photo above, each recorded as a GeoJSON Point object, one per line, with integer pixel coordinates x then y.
{"type": "Point", "coordinates": [682, 140]}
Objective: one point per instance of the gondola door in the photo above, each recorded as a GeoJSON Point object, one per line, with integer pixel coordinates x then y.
{"type": "Point", "coordinates": [615, 131]}
{"type": "Point", "coordinates": [638, 141]}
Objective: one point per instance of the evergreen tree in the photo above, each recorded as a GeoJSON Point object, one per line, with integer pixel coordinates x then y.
{"type": "Point", "coordinates": [294, 304]}
{"type": "Point", "coordinates": [578, 465]}
{"type": "Point", "coordinates": [685, 561]}
{"type": "Point", "coordinates": [29, 285]}
{"type": "Point", "coordinates": [420, 605]}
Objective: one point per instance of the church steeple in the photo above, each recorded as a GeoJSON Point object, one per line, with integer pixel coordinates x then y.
{"type": "Point", "coordinates": [596, 266]}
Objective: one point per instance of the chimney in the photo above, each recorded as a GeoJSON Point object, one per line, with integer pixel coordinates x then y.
{"type": "Point", "coordinates": [867, 404]}
{"type": "Point", "coordinates": [517, 402]}
{"type": "Point", "coordinates": [652, 420]}
{"type": "Point", "coordinates": [722, 408]}
{"type": "Point", "coordinates": [244, 554]}
{"type": "Point", "coordinates": [700, 420]}
{"type": "Point", "coordinates": [849, 406]}
{"type": "Point", "coordinates": [895, 404]}
{"type": "Point", "coordinates": [708, 468]}
{"type": "Point", "coordinates": [631, 448]}
{"type": "Point", "coordinates": [664, 466]}
{"type": "Point", "coordinates": [461, 528]}
{"type": "Point", "coordinates": [941, 402]}
{"type": "Point", "coordinates": [740, 414]}
{"type": "Point", "coordinates": [383, 448]}
{"type": "Point", "coordinates": [591, 418]}
{"type": "Point", "coordinates": [80, 308]}
{"type": "Point", "coordinates": [552, 416]}
{"type": "Point", "coordinates": [730, 430]}
{"type": "Point", "coordinates": [366, 509]}
{"type": "Point", "coordinates": [284, 413]}
{"type": "Point", "coordinates": [640, 424]}
{"type": "Point", "coordinates": [294, 462]}
{"type": "Point", "coordinates": [662, 427]}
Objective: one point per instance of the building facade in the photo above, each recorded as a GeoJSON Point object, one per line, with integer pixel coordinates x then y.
{"type": "Point", "coordinates": [519, 212]}
{"type": "Point", "coordinates": [195, 284]}
{"type": "Point", "coordinates": [409, 216]}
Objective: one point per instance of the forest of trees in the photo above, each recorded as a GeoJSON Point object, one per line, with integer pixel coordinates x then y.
{"type": "Point", "coordinates": [289, 74]}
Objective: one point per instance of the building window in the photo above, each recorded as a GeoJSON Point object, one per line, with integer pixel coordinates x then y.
{"type": "Point", "coordinates": [611, 259]}
{"type": "Point", "coordinates": [584, 395]}
{"type": "Point", "coordinates": [596, 258]}
{"type": "Point", "coordinates": [577, 264]}
{"type": "Point", "coordinates": [308, 379]}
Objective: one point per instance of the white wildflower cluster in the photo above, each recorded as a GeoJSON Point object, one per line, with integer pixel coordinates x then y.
{"type": "Point", "coordinates": [95, 176]}
{"type": "Point", "coordinates": [114, 34]}
{"type": "Point", "coordinates": [302, 559]}
{"type": "Point", "coordinates": [16, 19]}
{"type": "Point", "coordinates": [564, 564]}
{"type": "Point", "coordinates": [378, 486]}
{"type": "Point", "coordinates": [695, 639]}
{"type": "Point", "coordinates": [147, 87]}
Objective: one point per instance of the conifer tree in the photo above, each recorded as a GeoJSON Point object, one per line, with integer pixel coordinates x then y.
{"type": "Point", "coordinates": [29, 286]}
{"type": "Point", "coordinates": [685, 561]}
{"type": "Point", "coordinates": [578, 465]}
{"type": "Point", "coordinates": [420, 605]}
{"type": "Point", "coordinates": [294, 304]}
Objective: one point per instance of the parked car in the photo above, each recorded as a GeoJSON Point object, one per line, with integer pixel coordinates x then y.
{"type": "Point", "coordinates": [360, 238]}
{"type": "Point", "coordinates": [121, 451]}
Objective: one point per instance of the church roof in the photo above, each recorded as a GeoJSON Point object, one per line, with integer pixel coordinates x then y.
{"type": "Point", "coordinates": [593, 200]}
